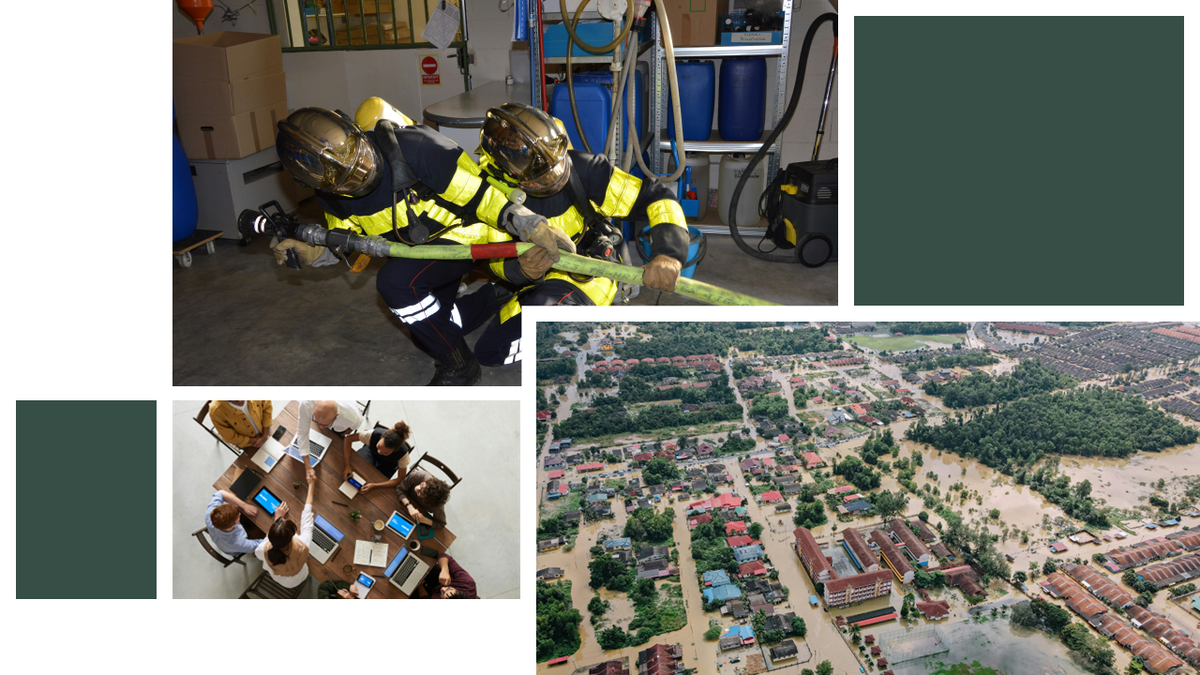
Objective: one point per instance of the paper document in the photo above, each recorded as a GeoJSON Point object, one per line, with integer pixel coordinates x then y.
{"type": "Point", "coordinates": [366, 553]}
{"type": "Point", "coordinates": [350, 489]}
{"type": "Point", "coordinates": [442, 26]}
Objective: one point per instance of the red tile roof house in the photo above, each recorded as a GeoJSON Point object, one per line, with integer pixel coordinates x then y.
{"type": "Point", "coordinates": [812, 460]}
{"type": "Point", "coordinates": [736, 526]}
{"type": "Point", "coordinates": [934, 610]}
{"type": "Point", "coordinates": [772, 497]}
{"type": "Point", "coordinates": [543, 415]}
{"type": "Point", "coordinates": [1101, 586]}
{"type": "Point", "coordinates": [912, 542]}
{"type": "Point", "coordinates": [594, 466]}
{"type": "Point", "coordinates": [557, 473]}
{"type": "Point", "coordinates": [740, 540]}
{"type": "Point", "coordinates": [699, 520]}
{"type": "Point", "coordinates": [755, 568]}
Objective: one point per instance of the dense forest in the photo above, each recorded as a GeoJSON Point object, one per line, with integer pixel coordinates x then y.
{"type": "Point", "coordinates": [950, 359]}
{"type": "Point", "coordinates": [557, 621]}
{"type": "Point", "coordinates": [879, 445]}
{"type": "Point", "coordinates": [548, 370]}
{"type": "Point", "coordinates": [602, 422]}
{"type": "Point", "coordinates": [1075, 501]}
{"type": "Point", "coordinates": [1027, 379]}
{"type": "Point", "coordinates": [1089, 422]}
{"type": "Point", "coordinates": [687, 338]}
{"type": "Point", "coordinates": [927, 327]}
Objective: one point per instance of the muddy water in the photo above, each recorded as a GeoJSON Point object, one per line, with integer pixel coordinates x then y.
{"type": "Point", "coordinates": [1127, 483]}
{"type": "Point", "coordinates": [996, 644]}
{"type": "Point", "coordinates": [1019, 338]}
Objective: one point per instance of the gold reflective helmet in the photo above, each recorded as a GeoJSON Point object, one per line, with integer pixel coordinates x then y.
{"type": "Point", "coordinates": [528, 146]}
{"type": "Point", "coordinates": [326, 151]}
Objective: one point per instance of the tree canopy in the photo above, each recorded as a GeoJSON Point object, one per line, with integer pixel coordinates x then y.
{"type": "Point", "coordinates": [557, 621]}
{"type": "Point", "coordinates": [1028, 378]}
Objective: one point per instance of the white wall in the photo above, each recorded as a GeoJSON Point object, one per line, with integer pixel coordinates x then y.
{"type": "Point", "coordinates": [798, 139]}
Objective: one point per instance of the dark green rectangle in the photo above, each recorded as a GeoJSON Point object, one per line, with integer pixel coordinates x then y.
{"type": "Point", "coordinates": [1018, 161]}
{"type": "Point", "coordinates": [86, 499]}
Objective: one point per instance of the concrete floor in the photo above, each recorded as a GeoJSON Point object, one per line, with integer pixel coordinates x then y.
{"type": "Point", "coordinates": [240, 319]}
{"type": "Point", "coordinates": [483, 510]}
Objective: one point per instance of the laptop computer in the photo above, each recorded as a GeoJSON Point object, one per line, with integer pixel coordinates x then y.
{"type": "Point", "coordinates": [318, 443]}
{"type": "Point", "coordinates": [269, 454]}
{"type": "Point", "coordinates": [406, 571]}
{"type": "Point", "coordinates": [326, 540]}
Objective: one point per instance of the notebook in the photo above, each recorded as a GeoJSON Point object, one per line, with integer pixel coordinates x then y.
{"type": "Point", "coordinates": [351, 487]}
{"type": "Point", "coordinates": [374, 555]}
{"type": "Point", "coordinates": [245, 484]}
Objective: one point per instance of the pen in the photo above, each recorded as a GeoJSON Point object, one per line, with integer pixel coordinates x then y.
{"type": "Point", "coordinates": [341, 504]}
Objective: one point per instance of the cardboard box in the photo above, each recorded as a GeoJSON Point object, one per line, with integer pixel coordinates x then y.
{"type": "Point", "coordinates": [227, 56]}
{"type": "Point", "coordinates": [694, 22]}
{"type": "Point", "coordinates": [209, 97]}
{"type": "Point", "coordinates": [230, 136]}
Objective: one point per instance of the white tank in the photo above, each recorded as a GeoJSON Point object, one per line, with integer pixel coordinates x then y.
{"type": "Point", "coordinates": [732, 168]}
{"type": "Point", "coordinates": [699, 163]}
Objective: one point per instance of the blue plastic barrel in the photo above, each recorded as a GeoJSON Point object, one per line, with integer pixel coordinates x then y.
{"type": "Point", "coordinates": [183, 198]}
{"type": "Point", "coordinates": [593, 97]}
{"type": "Point", "coordinates": [742, 105]}
{"type": "Point", "coordinates": [696, 96]}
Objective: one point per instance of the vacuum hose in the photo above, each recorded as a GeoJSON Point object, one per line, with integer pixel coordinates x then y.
{"type": "Point", "coordinates": [762, 152]}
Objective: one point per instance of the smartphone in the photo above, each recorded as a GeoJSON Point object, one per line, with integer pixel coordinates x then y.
{"type": "Point", "coordinates": [357, 485]}
{"type": "Point", "coordinates": [279, 433]}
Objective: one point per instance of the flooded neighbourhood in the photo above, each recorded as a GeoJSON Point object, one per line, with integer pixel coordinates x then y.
{"type": "Point", "coordinates": [804, 434]}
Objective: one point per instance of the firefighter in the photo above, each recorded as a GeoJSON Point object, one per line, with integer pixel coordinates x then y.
{"type": "Point", "coordinates": [525, 152]}
{"type": "Point", "coordinates": [410, 184]}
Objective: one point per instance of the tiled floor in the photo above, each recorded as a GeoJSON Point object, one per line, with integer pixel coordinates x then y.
{"type": "Point", "coordinates": [481, 446]}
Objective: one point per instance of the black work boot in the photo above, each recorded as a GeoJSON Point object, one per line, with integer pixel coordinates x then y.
{"type": "Point", "coordinates": [457, 368]}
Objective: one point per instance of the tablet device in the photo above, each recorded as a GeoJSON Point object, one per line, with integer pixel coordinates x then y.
{"type": "Point", "coordinates": [245, 484]}
{"type": "Point", "coordinates": [365, 584]}
{"type": "Point", "coordinates": [400, 525]}
{"type": "Point", "coordinates": [268, 500]}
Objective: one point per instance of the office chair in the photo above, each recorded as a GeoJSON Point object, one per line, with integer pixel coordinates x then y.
{"type": "Point", "coordinates": [212, 430]}
{"type": "Point", "coordinates": [265, 588]}
{"type": "Point", "coordinates": [219, 556]}
{"type": "Point", "coordinates": [364, 407]}
{"type": "Point", "coordinates": [454, 479]}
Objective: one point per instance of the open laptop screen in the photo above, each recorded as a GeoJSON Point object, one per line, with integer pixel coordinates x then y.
{"type": "Point", "coordinates": [268, 500]}
{"type": "Point", "coordinates": [391, 569]}
{"type": "Point", "coordinates": [400, 525]}
{"type": "Point", "coordinates": [329, 528]}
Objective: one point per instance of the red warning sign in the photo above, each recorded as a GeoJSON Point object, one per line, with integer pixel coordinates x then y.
{"type": "Point", "coordinates": [429, 70]}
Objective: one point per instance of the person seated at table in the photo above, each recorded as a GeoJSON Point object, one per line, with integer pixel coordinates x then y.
{"type": "Point", "coordinates": [420, 494]}
{"type": "Point", "coordinates": [285, 552]}
{"type": "Point", "coordinates": [336, 589]}
{"type": "Point", "coordinates": [451, 583]}
{"type": "Point", "coordinates": [224, 522]}
{"type": "Point", "coordinates": [340, 417]}
{"type": "Point", "coordinates": [389, 450]}
{"type": "Point", "coordinates": [242, 423]}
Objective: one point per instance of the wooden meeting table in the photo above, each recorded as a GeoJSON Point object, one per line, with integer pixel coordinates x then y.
{"type": "Point", "coordinates": [377, 504]}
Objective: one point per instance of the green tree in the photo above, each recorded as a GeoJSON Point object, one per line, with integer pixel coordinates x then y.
{"type": "Point", "coordinates": [825, 668]}
{"type": "Point", "coordinates": [798, 627]}
{"type": "Point", "coordinates": [712, 633]}
{"type": "Point", "coordinates": [755, 530]}
{"type": "Point", "coordinates": [889, 504]}
{"type": "Point", "coordinates": [612, 638]}
{"type": "Point", "coordinates": [1019, 577]}
{"type": "Point", "coordinates": [597, 606]}
{"type": "Point", "coordinates": [658, 471]}
{"type": "Point", "coordinates": [1049, 567]}
{"type": "Point", "coordinates": [607, 572]}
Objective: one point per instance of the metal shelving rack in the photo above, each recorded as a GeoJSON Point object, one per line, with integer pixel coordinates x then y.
{"type": "Point", "coordinates": [714, 144]}
{"type": "Point", "coordinates": [614, 61]}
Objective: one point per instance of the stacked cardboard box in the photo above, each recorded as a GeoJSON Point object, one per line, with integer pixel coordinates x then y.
{"type": "Point", "coordinates": [229, 92]}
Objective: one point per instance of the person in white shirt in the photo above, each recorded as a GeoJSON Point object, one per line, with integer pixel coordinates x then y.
{"type": "Point", "coordinates": [285, 552]}
{"type": "Point", "coordinates": [340, 417]}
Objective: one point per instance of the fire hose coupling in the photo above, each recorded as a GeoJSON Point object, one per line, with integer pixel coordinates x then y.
{"type": "Point", "coordinates": [344, 240]}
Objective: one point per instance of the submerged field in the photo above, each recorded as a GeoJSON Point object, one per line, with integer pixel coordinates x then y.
{"type": "Point", "coordinates": [904, 342]}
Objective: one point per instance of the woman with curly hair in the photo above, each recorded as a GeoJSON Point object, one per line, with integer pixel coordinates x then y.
{"type": "Point", "coordinates": [388, 451]}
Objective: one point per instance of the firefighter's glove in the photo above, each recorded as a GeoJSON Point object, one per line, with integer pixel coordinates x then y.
{"type": "Point", "coordinates": [661, 273]}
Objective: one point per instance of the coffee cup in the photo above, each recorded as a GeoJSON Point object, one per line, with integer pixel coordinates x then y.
{"type": "Point", "coordinates": [379, 526]}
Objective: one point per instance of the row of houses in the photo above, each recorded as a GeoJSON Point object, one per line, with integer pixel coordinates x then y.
{"type": "Point", "coordinates": [1154, 656]}
{"type": "Point", "coordinates": [1151, 550]}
